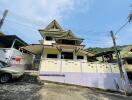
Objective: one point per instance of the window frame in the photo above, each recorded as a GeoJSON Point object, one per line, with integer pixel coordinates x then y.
{"type": "Point", "coordinates": [80, 58]}
{"type": "Point", "coordinates": [50, 38]}
{"type": "Point", "coordinates": [66, 57]}
{"type": "Point", "coordinates": [51, 56]}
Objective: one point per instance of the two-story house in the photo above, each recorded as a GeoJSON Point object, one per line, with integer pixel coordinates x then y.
{"type": "Point", "coordinates": [63, 59]}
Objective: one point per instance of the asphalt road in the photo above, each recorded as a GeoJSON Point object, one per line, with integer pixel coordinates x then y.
{"type": "Point", "coordinates": [28, 88]}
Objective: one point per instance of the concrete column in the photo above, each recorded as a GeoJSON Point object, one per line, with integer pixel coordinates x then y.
{"type": "Point", "coordinates": [74, 56]}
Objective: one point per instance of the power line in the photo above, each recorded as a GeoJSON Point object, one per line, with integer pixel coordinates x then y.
{"type": "Point", "coordinates": [36, 22]}
{"type": "Point", "coordinates": [23, 24]}
{"type": "Point", "coordinates": [100, 42]}
{"type": "Point", "coordinates": [25, 18]}
{"type": "Point", "coordinates": [129, 20]}
{"type": "Point", "coordinates": [121, 28]}
{"type": "Point", "coordinates": [95, 40]}
{"type": "Point", "coordinates": [97, 45]}
{"type": "Point", "coordinates": [99, 32]}
{"type": "Point", "coordinates": [93, 33]}
{"type": "Point", "coordinates": [29, 25]}
{"type": "Point", "coordinates": [33, 28]}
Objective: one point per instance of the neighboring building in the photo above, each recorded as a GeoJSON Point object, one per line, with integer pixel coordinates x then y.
{"type": "Point", "coordinates": [8, 41]}
{"type": "Point", "coordinates": [126, 55]}
{"type": "Point", "coordinates": [63, 59]}
{"type": "Point", "coordinates": [10, 51]}
{"type": "Point", "coordinates": [1, 45]}
{"type": "Point", "coordinates": [108, 56]}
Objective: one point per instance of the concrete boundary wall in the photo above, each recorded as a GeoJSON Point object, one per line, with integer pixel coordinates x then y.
{"type": "Point", "coordinates": [98, 75]}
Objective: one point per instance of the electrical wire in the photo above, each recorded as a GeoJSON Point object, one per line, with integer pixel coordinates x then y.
{"type": "Point", "coordinates": [121, 27]}
{"type": "Point", "coordinates": [33, 28]}
{"type": "Point", "coordinates": [96, 40]}
{"type": "Point", "coordinates": [22, 24]}
{"type": "Point", "coordinates": [88, 40]}
{"type": "Point", "coordinates": [35, 22]}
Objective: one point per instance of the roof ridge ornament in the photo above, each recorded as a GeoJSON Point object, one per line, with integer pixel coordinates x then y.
{"type": "Point", "coordinates": [53, 26]}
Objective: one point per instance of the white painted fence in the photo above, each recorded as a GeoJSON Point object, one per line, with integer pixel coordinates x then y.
{"type": "Point", "coordinates": [98, 75]}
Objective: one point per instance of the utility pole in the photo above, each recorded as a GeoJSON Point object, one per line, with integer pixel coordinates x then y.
{"type": "Point", "coordinates": [130, 16]}
{"type": "Point", "coordinates": [119, 61]}
{"type": "Point", "coordinates": [3, 18]}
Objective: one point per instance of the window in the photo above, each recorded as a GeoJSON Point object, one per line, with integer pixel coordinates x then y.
{"type": "Point", "coordinates": [68, 42]}
{"type": "Point", "coordinates": [66, 55]}
{"type": "Point", "coordinates": [51, 55]}
{"type": "Point", "coordinates": [48, 38]}
{"type": "Point", "coordinates": [79, 57]}
{"type": "Point", "coordinates": [129, 60]}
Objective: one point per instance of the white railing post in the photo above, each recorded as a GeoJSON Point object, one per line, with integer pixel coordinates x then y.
{"type": "Point", "coordinates": [81, 66]}
{"type": "Point", "coordinates": [61, 65]}
{"type": "Point", "coordinates": [96, 68]}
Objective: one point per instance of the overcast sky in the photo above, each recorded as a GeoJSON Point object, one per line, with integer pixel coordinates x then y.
{"type": "Point", "coordinates": [89, 19]}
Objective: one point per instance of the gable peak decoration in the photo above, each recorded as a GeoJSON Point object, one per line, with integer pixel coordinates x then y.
{"type": "Point", "coordinates": [70, 34]}
{"type": "Point", "coordinates": [53, 26]}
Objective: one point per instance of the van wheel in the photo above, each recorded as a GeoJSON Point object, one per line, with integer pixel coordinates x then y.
{"type": "Point", "coordinates": [5, 78]}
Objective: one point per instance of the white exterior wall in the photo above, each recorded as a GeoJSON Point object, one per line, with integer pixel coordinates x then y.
{"type": "Point", "coordinates": [46, 42]}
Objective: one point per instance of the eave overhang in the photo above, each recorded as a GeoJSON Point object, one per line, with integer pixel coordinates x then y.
{"type": "Point", "coordinates": [34, 48]}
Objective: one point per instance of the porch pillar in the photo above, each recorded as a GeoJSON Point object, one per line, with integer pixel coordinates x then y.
{"type": "Point", "coordinates": [59, 57]}
{"type": "Point", "coordinates": [103, 58]}
{"type": "Point", "coordinates": [13, 43]}
{"type": "Point", "coordinates": [74, 56]}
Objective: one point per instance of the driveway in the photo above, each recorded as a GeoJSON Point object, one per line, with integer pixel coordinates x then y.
{"type": "Point", "coordinates": [28, 88]}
